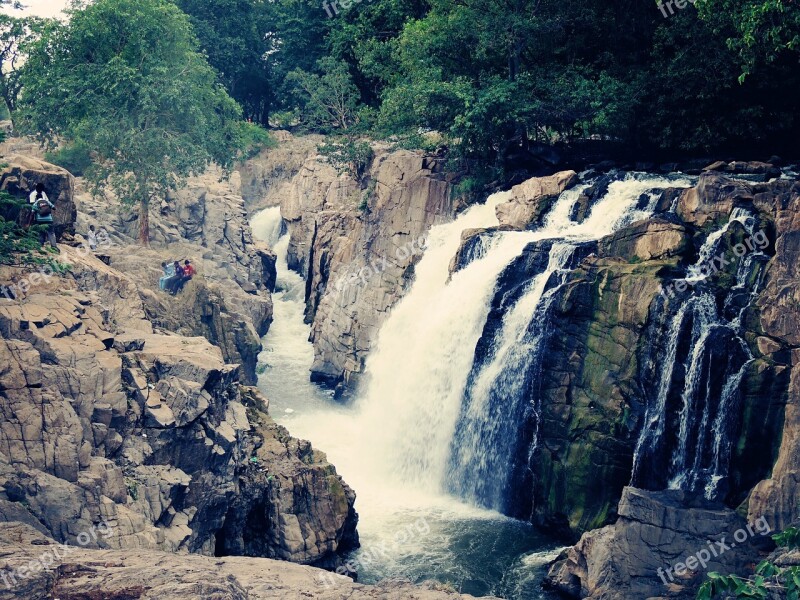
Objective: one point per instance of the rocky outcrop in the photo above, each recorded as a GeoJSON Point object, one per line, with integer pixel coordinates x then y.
{"type": "Point", "coordinates": [356, 246]}
{"type": "Point", "coordinates": [105, 421]}
{"type": "Point", "coordinates": [77, 572]}
{"type": "Point", "coordinates": [766, 171]}
{"type": "Point", "coordinates": [660, 547]}
{"type": "Point", "coordinates": [611, 338]}
{"type": "Point", "coordinates": [20, 175]}
{"type": "Point", "coordinates": [529, 201]}
{"type": "Point", "coordinates": [267, 177]}
{"type": "Point", "coordinates": [229, 301]}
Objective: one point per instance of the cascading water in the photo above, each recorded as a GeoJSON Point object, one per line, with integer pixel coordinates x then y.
{"type": "Point", "coordinates": [398, 439]}
{"type": "Point", "coordinates": [689, 428]}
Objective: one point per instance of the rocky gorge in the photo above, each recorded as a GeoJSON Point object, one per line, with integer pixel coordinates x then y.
{"type": "Point", "coordinates": [654, 415]}
{"type": "Point", "coordinates": [628, 386]}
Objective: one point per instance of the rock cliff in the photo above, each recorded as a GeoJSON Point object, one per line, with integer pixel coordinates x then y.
{"type": "Point", "coordinates": [229, 301]}
{"type": "Point", "coordinates": [118, 412]}
{"type": "Point", "coordinates": [152, 434]}
{"type": "Point", "coordinates": [356, 242]}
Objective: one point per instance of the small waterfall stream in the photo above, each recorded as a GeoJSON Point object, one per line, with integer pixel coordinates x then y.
{"type": "Point", "coordinates": [688, 432]}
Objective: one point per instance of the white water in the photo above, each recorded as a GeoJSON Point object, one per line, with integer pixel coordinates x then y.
{"type": "Point", "coordinates": [404, 531]}
{"type": "Point", "coordinates": [392, 445]}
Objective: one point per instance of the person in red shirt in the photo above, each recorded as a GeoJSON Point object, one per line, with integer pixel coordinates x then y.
{"type": "Point", "coordinates": [188, 271]}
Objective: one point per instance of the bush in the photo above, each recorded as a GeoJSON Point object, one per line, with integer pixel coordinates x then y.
{"type": "Point", "coordinates": [75, 158]}
{"type": "Point", "coordinates": [254, 139]}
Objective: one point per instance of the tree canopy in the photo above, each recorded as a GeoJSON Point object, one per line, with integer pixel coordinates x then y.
{"type": "Point", "coordinates": [126, 78]}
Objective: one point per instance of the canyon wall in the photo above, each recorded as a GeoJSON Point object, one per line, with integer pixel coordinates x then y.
{"type": "Point", "coordinates": [356, 242]}
{"type": "Point", "coordinates": [120, 414]}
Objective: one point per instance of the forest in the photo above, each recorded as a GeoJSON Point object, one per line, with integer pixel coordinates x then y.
{"type": "Point", "coordinates": [493, 80]}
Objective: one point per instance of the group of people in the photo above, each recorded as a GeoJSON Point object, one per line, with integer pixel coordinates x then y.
{"type": "Point", "coordinates": [175, 276]}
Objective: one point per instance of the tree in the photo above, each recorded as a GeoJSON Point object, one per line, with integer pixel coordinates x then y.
{"type": "Point", "coordinates": [760, 31]}
{"type": "Point", "coordinates": [330, 100]}
{"type": "Point", "coordinates": [126, 78]}
{"type": "Point", "coordinates": [233, 33]}
{"type": "Point", "coordinates": [16, 36]}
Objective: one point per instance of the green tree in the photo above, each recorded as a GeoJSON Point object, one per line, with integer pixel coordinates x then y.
{"type": "Point", "coordinates": [16, 37]}
{"type": "Point", "coordinates": [760, 31]}
{"type": "Point", "coordinates": [329, 100]}
{"type": "Point", "coordinates": [125, 77]}
{"type": "Point", "coordinates": [234, 35]}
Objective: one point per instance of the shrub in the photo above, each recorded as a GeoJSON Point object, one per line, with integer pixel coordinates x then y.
{"type": "Point", "coordinates": [348, 156]}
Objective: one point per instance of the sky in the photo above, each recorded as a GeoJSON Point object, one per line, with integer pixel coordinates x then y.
{"type": "Point", "coordinates": [41, 8]}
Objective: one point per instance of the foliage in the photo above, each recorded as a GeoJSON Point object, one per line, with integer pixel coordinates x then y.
{"type": "Point", "coordinates": [329, 100]}
{"type": "Point", "coordinates": [789, 538]}
{"type": "Point", "coordinates": [126, 77]}
{"type": "Point", "coordinates": [231, 33]}
{"type": "Point", "coordinates": [254, 139]}
{"type": "Point", "coordinates": [757, 30]}
{"type": "Point", "coordinates": [348, 155]}
{"type": "Point", "coordinates": [367, 196]}
{"type": "Point", "coordinates": [768, 579]}
{"type": "Point", "coordinates": [75, 158]}
{"type": "Point", "coordinates": [16, 37]}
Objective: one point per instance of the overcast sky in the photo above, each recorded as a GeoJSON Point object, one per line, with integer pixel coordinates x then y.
{"type": "Point", "coordinates": [41, 8]}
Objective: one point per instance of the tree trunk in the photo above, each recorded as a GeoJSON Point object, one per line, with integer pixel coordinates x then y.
{"type": "Point", "coordinates": [144, 222]}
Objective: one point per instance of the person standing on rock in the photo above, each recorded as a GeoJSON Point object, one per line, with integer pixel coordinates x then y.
{"type": "Point", "coordinates": [91, 237]}
{"type": "Point", "coordinates": [43, 209]}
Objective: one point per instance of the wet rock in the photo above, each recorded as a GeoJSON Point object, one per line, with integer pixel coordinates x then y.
{"type": "Point", "coordinates": [530, 200]}
{"type": "Point", "coordinates": [78, 572]}
{"type": "Point", "coordinates": [654, 549]}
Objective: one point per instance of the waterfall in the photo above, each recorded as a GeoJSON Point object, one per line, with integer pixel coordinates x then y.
{"type": "Point", "coordinates": [496, 400]}
{"type": "Point", "coordinates": [689, 429]}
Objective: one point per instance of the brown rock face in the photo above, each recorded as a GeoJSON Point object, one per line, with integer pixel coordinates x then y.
{"type": "Point", "coordinates": [77, 572]}
{"type": "Point", "coordinates": [22, 174]}
{"type": "Point", "coordinates": [152, 435]}
{"type": "Point", "coordinates": [229, 301]}
{"type": "Point", "coordinates": [645, 554]}
{"type": "Point", "coordinates": [531, 199]}
{"type": "Point", "coordinates": [356, 248]}
{"type": "Point", "coordinates": [267, 177]}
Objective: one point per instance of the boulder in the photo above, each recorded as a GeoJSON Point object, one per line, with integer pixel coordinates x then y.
{"type": "Point", "coordinates": [530, 201]}
{"type": "Point", "coordinates": [20, 176]}
{"type": "Point", "coordinates": [662, 546]}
